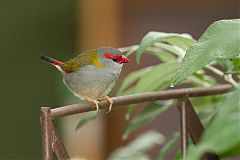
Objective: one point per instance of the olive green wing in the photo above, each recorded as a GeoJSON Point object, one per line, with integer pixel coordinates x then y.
{"type": "Point", "coordinates": [89, 57]}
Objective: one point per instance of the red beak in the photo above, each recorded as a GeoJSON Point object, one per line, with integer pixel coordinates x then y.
{"type": "Point", "coordinates": [123, 59]}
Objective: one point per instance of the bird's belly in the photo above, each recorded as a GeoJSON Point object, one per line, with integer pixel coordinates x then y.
{"type": "Point", "coordinates": [91, 81]}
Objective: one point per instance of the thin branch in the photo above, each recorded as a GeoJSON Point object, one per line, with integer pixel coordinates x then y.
{"type": "Point", "coordinates": [215, 70]}
{"type": "Point", "coordinates": [179, 52]}
{"type": "Point", "coordinates": [129, 48]}
{"type": "Point", "coordinates": [227, 78]}
{"type": "Point", "coordinates": [142, 97]}
{"type": "Point", "coordinates": [230, 79]}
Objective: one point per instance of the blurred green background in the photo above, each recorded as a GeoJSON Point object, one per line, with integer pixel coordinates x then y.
{"type": "Point", "coordinates": [29, 28]}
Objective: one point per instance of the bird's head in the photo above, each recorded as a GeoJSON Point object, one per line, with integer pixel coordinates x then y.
{"type": "Point", "coordinates": [114, 55]}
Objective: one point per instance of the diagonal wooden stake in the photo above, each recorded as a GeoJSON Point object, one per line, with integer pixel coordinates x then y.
{"type": "Point", "coordinates": [195, 127]}
{"type": "Point", "coordinates": [51, 141]}
{"type": "Point", "coordinates": [57, 145]}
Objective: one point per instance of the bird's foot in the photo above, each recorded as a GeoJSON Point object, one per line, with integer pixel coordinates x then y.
{"type": "Point", "coordinates": [92, 101]}
{"type": "Point", "coordinates": [110, 101]}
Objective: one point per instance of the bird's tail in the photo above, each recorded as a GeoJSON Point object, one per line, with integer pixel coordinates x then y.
{"type": "Point", "coordinates": [51, 60]}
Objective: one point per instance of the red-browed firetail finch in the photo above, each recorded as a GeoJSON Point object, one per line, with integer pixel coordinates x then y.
{"type": "Point", "coordinates": [92, 74]}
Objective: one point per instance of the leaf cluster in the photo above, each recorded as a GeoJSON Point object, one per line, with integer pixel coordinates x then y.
{"type": "Point", "coordinates": [184, 60]}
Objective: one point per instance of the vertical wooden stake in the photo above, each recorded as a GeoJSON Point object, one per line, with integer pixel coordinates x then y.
{"type": "Point", "coordinates": [46, 133]}
{"type": "Point", "coordinates": [183, 124]}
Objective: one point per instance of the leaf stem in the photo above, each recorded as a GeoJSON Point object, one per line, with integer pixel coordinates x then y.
{"type": "Point", "coordinates": [129, 49]}
{"type": "Point", "coordinates": [227, 78]}
{"type": "Point", "coordinates": [179, 52]}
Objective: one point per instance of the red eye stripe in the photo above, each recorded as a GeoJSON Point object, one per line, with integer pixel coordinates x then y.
{"type": "Point", "coordinates": [108, 55]}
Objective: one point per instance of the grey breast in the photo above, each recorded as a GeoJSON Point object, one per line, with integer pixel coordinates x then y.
{"type": "Point", "coordinates": [92, 81]}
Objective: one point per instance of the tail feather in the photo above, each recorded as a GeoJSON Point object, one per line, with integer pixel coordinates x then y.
{"type": "Point", "coordinates": [51, 60]}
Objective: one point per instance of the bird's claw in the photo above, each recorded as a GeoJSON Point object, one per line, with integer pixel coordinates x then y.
{"type": "Point", "coordinates": [110, 101]}
{"type": "Point", "coordinates": [96, 102]}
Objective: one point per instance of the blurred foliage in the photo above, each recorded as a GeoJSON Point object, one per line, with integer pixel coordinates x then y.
{"type": "Point", "coordinates": [219, 45]}
{"type": "Point", "coordinates": [147, 114]}
{"type": "Point", "coordinates": [219, 41]}
{"type": "Point", "coordinates": [137, 149]}
{"type": "Point", "coordinates": [169, 146]}
{"type": "Point", "coordinates": [182, 41]}
{"type": "Point", "coordinates": [150, 78]}
{"type": "Point", "coordinates": [222, 135]}
{"type": "Point", "coordinates": [170, 49]}
{"type": "Point", "coordinates": [90, 116]}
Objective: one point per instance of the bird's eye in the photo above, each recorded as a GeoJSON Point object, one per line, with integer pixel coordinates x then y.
{"type": "Point", "coordinates": [114, 59]}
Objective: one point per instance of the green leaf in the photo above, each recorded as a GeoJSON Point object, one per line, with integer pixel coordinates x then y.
{"type": "Point", "coordinates": [236, 64]}
{"type": "Point", "coordinates": [133, 77]}
{"type": "Point", "coordinates": [88, 117]}
{"type": "Point", "coordinates": [220, 40]}
{"type": "Point", "coordinates": [149, 113]}
{"type": "Point", "coordinates": [122, 156]}
{"type": "Point", "coordinates": [235, 151]}
{"type": "Point", "coordinates": [223, 133]}
{"type": "Point", "coordinates": [181, 42]}
{"type": "Point", "coordinates": [130, 108]}
{"type": "Point", "coordinates": [149, 79]}
{"type": "Point", "coordinates": [161, 53]}
{"type": "Point", "coordinates": [136, 149]}
{"type": "Point", "coordinates": [152, 37]}
{"type": "Point", "coordinates": [178, 155]}
{"type": "Point", "coordinates": [206, 104]}
{"type": "Point", "coordinates": [159, 77]}
{"type": "Point", "coordinates": [131, 50]}
{"type": "Point", "coordinates": [168, 146]}
{"type": "Point", "coordinates": [234, 68]}
{"type": "Point", "coordinates": [128, 50]}
{"type": "Point", "coordinates": [179, 52]}
{"type": "Point", "coordinates": [202, 79]}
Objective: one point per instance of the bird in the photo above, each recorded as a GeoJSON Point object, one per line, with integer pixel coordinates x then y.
{"type": "Point", "coordinates": [92, 74]}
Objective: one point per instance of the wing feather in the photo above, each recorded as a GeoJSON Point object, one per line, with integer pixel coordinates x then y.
{"type": "Point", "coordinates": [89, 57]}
